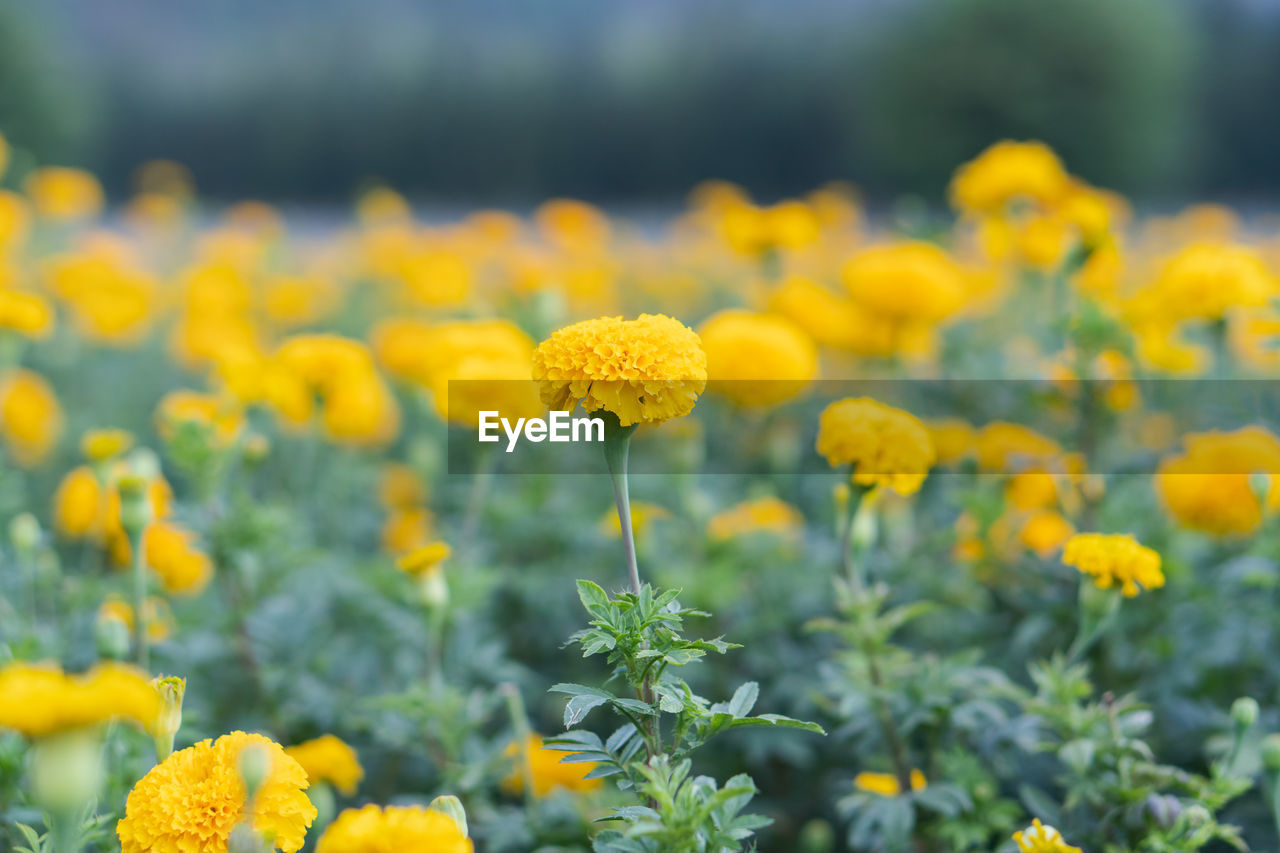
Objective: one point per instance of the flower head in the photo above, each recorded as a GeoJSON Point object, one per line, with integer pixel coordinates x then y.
{"type": "Point", "coordinates": [25, 313]}
{"type": "Point", "coordinates": [394, 829]}
{"type": "Point", "coordinates": [1114, 560]}
{"type": "Point", "coordinates": [1208, 486]}
{"type": "Point", "coordinates": [30, 417]}
{"type": "Point", "coordinates": [98, 445]}
{"type": "Point", "coordinates": [64, 194]}
{"type": "Point", "coordinates": [757, 359]}
{"type": "Point", "coordinates": [886, 784]}
{"type": "Point", "coordinates": [645, 370]}
{"type": "Point", "coordinates": [39, 700]}
{"type": "Point", "coordinates": [761, 515]}
{"type": "Point", "coordinates": [885, 446]}
{"type": "Point", "coordinates": [1006, 172]}
{"type": "Point", "coordinates": [906, 282]}
{"type": "Point", "coordinates": [1041, 838]}
{"type": "Point", "coordinates": [425, 560]}
{"type": "Point", "coordinates": [190, 802]}
{"type": "Point", "coordinates": [547, 770]}
{"type": "Point", "coordinates": [329, 759]}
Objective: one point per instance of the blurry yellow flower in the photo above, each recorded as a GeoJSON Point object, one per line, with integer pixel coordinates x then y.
{"type": "Point", "coordinates": [753, 230]}
{"type": "Point", "coordinates": [99, 445]}
{"type": "Point", "coordinates": [329, 759]}
{"type": "Point", "coordinates": [290, 301]}
{"type": "Point", "coordinates": [406, 529]}
{"type": "Point", "coordinates": [381, 205]}
{"type": "Point", "coordinates": [1041, 838]}
{"type": "Point", "coordinates": [1031, 489]}
{"type": "Point", "coordinates": [646, 370]}
{"type": "Point", "coordinates": [358, 407]}
{"type": "Point", "coordinates": [14, 220]}
{"type": "Point", "coordinates": [110, 299]}
{"type": "Point", "coordinates": [156, 616]}
{"type": "Point", "coordinates": [1005, 447]}
{"type": "Point", "coordinates": [170, 552]}
{"type": "Point", "coordinates": [1210, 485]}
{"type": "Point", "coordinates": [757, 359]}
{"type": "Point", "coordinates": [953, 439]}
{"type": "Point", "coordinates": [829, 318]}
{"type": "Point", "coordinates": [424, 560]}
{"type": "Point", "coordinates": [30, 417]}
{"type": "Point", "coordinates": [25, 313]}
{"type": "Point", "coordinates": [886, 784]}
{"type": "Point", "coordinates": [436, 277]}
{"type": "Point", "coordinates": [190, 802]}
{"type": "Point", "coordinates": [394, 829]}
{"type": "Point", "coordinates": [643, 514]}
{"type": "Point", "coordinates": [399, 486]}
{"type": "Point", "coordinates": [220, 416]}
{"type": "Point", "coordinates": [767, 515]}
{"type": "Point", "coordinates": [64, 194]}
{"type": "Point", "coordinates": [1114, 560]}
{"type": "Point", "coordinates": [905, 282]}
{"type": "Point", "coordinates": [1204, 281]}
{"type": "Point", "coordinates": [38, 699]}
{"type": "Point", "coordinates": [1006, 172]}
{"type": "Point", "coordinates": [886, 447]}
{"type": "Point", "coordinates": [572, 225]}
{"type": "Point", "coordinates": [78, 504]}
{"type": "Point", "coordinates": [547, 770]}
{"type": "Point", "coordinates": [1044, 532]}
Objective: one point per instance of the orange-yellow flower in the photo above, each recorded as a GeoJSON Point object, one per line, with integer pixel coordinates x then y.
{"type": "Point", "coordinates": [394, 829]}
{"type": "Point", "coordinates": [329, 759]}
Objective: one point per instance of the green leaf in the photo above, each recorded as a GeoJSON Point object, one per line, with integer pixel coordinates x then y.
{"type": "Point", "coordinates": [593, 598]}
{"type": "Point", "coordinates": [744, 699]}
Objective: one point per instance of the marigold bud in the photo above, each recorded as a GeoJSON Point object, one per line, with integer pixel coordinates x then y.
{"type": "Point", "coordinates": [452, 807]}
{"type": "Point", "coordinates": [1271, 753]}
{"type": "Point", "coordinates": [1244, 712]}
{"type": "Point", "coordinates": [24, 533]}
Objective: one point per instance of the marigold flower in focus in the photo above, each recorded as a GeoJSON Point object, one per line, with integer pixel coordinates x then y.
{"type": "Point", "coordinates": [646, 370]}
{"type": "Point", "coordinates": [1041, 838]}
{"type": "Point", "coordinates": [761, 515]}
{"type": "Point", "coordinates": [886, 447]}
{"type": "Point", "coordinates": [30, 417]}
{"type": "Point", "coordinates": [63, 194]}
{"type": "Point", "coordinates": [190, 802]}
{"type": "Point", "coordinates": [40, 699]}
{"type": "Point", "coordinates": [1114, 559]}
{"type": "Point", "coordinates": [1209, 486]}
{"type": "Point", "coordinates": [886, 784]}
{"type": "Point", "coordinates": [547, 770]}
{"type": "Point", "coordinates": [329, 759]}
{"type": "Point", "coordinates": [757, 359]}
{"type": "Point", "coordinates": [393, 829]}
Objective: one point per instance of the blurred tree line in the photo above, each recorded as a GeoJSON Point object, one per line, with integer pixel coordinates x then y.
{"type": "Point", "coordinates": [502, 101]}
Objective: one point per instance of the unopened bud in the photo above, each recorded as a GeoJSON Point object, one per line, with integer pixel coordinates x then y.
{"type": "Point", "coordinates": [66, 771]}
{"type": "Point", "coordinates": [817, 836]}
{"type": "Point", "coordinates": [452, 807]}
{"type": "Point", "coordinates": [1244, 712]}
{"type": "Point", "coordinates": [135, 509]}
{"type": "Point", "coordinates": [433, 588]}
{"type": "Point", "coordinates": [1260, 485]}
{"type": "Point", "coordinates": [1271, 753]}
{"type": "Point", "coordinates": [24, 533]}
{"type": "Point", "coordinates": [111, 634]}
{"type": "Point", "coordinates": [172, 689]}
{"type": "Point", "coordinates": [255, 765]}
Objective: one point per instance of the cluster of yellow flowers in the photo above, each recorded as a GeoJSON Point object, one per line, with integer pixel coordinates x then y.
{"type": "Point", "coordinates": [1114, 560]}
{"type": "Point", "coordinates": [40, 699]}
{"type": "Point", "coordinates": [884, 447]}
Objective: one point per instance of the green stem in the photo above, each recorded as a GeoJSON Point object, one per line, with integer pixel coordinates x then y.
{"type": "Point", "coordinates": [848, 558]}
{"type": "Point", "coordinates": [141, 643]}
{"type": "Point", "coordinates": [520, 726]}
{"type": "Point", "coordinates": [617, 446]}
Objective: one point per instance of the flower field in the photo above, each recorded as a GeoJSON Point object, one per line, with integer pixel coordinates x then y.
{"type": "Point", "coordinates": [907, 531]}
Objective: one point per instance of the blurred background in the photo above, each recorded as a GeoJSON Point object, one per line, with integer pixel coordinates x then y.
{"type": "Point", "coordinates": [634, 101]}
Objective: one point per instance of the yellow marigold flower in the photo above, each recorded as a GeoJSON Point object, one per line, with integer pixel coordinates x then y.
{"type": "Point", "coordinates": [380, 205]}
{"type": "Point", "coordinates": [572, 225]}
{"type": "Point", "coordinates": [886, 447]}
{"type": "Point", "coordinates": [400, 486]}
{"type": "Point", "coordinates": [1006, 172]}
{"type": "Point", "coordinates": [424, 560]}
{"type": "Point", "coordinates": [39, 699]}
{"type": "Point", "coordinates": [329, 759]}
{"type": "Point", "coordinates": [646, 370]}
{"type": "Point", "coordinates": [643, 514]}
{"type": "Point", "coordinates": [190, 802]}
{"type": "Point", "coordinates": [406, 529]}
{"type": "Point", "coordinates": [754, 230]}
{"type": "Point", "coordinates": [25, 313]}
{"type": "Point", "coordinates": [14, 219]}
{"type": "Point", "coordinates": [99, 445]}
{"type": "Point", "coordinates": [953, 439]}
{"type": "Point", "coordinates": [1005, 447]}
{"type": "Point", "coordinates": [290, 301]}
{"type": "Point", "coordinates": [110, 299]}
{"type": "Point", "coordinates": [1114, 559]}
{"type": "Point", "coordinates": [547, 770]}
{"type": "Point", "coordinates": [156, 616]}
{"type": "Point", "coordinates": [1204, 281]}
{"type": "Point", "coordinates": [757, 359]}
{"type": "Point", "coordinates": [171, 554]}
{"type": "Point", "coordinates": [906, 282]}
{"type": "Point", "coordinates": [766, 515]}
{"type": "Point", "coordinates": [358, 407]}
{"type": "Point", "coordinates": [829, 318]}
{"type": "Point", "coordinates": [1044, 532]}
{"type": "Point", "coordinates": [393, 829]}
{"type": "Point", "coordinates": [78, 504]}
{"type": "Point", "coordinates": [220, 415]}
{"type": "Point", "coordinates": [64, 194]}
{"type": "Point", "coordinates": [30, 417]}
{"type": "Point", "coordinates": [1031, 489]}
{"type": "Point", "coordinates": [1041, 838]}
{"type": "Point", "coordinates": [1209, 486]}
{"type": "Point", "coordinates": [886, 784]}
